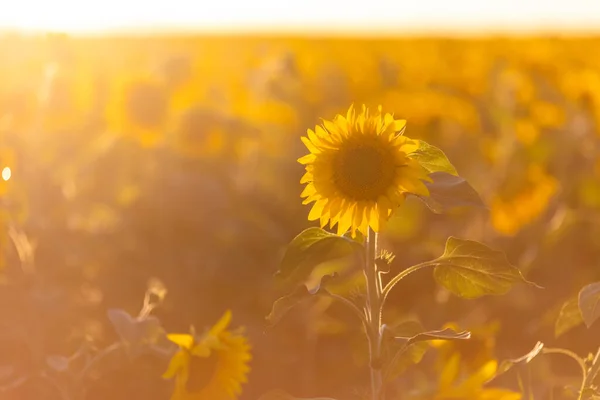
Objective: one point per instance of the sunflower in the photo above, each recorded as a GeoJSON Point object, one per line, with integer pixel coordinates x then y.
{"type": "Point", "coordinates": [139, 109]}
{"type": "Point", "coordinates": [212, 366]}
{"type": "Point", "coordinates": [359, 169]}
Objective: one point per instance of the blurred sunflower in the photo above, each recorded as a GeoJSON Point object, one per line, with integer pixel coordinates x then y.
{"type": "Point", "coordinates": [359, 169]}
{"type": "Point", "coordinates": [212, 366]}
{"type": "Point", "coordinates": [511, 213]}
{"type": "Point", "coordinates": [139, 108]}
{"type": "Point", "coordinates": [199, 132]}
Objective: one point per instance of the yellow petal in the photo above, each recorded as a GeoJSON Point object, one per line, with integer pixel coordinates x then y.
{"type": "Point", "coordinates": [374, 219]}
{"type": "Point", "coordinates": [222, 324]}
{"type": "Point", "coordinates": [307, 159]}
{"type": "Point", "coordinates": [324, 218]}
{"type": "Point", "coordinates": [310, 145]}
{"type": "Point", "coordinates": [307, 177]}
{"type": "Point", "coordinates": [183, 340]}
{"type": "Point", "coordinates": [309, 190]}
{"type": "Point", "coordinates": [201, 350]}
{"type": "Point", "coordinates": [350, 115]}
{"type": "Point", "coordinates": [346, 219]}
{"type": "Point", "coordinates": [177, 363]}
{"type": "Point", "coordinates": [399, 126]}
{"type": "Point", "coordinates": [317, 210]}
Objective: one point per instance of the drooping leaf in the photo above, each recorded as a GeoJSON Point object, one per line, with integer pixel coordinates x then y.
{"type": "Point", "coordinates": [470, 269]}
{"type": "Point", "coordinates": [312, 247]}
{"type": "Point", "coordinates": [135, 331]}
{"type": "Point", "coordinates": [569, 317]}
{"type": "Point", "coordinates": [433, 159]}
{"type": "Point", "coordinates": [444, 334]}
{"type": "Point", "coordinates": [399, 356]}
{"type": "Point", "coordinates": [410, 346]}
{"type": "Point", "coordinates": [525, 359]}
{"type": "Point", "coordinates": [448, 192]}
{"type": "Point", "coordinates": [282, 305]}
{"type": "Point", "coordinates": [589, 303]}
{"type": "Point", "coordinates": [281, 395]}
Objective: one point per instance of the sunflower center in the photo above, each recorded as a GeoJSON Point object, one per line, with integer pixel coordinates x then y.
{"type": "Point", "coordinates": [202, 370]}
{"type": "Point", "coordinates": [363, 171]}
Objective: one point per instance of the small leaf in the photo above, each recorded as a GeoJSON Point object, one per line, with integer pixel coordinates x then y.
{"type": "Point", "coordinates": [448, 192]}
{"type": "Point", "coordinates": [569, 317]}
{"type": "Point", "coordinates": [433, 159]}
{"type": "Point", "coordinates": [508, 364]}
{"type": "Point", "coordinates": [312, 247]}
{"type": "Point", "coordinates": [282, 305]}
{"type": "Point", "coordinates": [58, 363]}
{"type": "Point", "coordinates": [470, 269]}
{"type": "Point", "coordinates": [281, 395]}
{"type": "Point", "coordinates": [589, 303]}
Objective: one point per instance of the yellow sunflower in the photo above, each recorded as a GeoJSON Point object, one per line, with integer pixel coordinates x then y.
{"type": "Point", "coordinates": [359, 169]}
{"type": "Point", "coordinates": [210, 367]}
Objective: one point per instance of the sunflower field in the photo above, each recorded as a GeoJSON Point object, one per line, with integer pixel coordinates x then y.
{"type": "Point", "coordinates": [224, 217]}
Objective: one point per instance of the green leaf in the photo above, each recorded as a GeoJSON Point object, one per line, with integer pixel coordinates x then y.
{"type": "Point", "coordinates": [589, 303]}
{"type": "Point", "coordinates": [281, 395]}
{"type": "Point", "coordinates": [284, 304]}
{"type": "Point", "coordinates": [448, 192]}
{"type": "Point", "coordinates": [470, 270]}
{"type": "Point", "coordinates": [310, 248]}
{"type": "Point", "coordinates": [508, 364]}
{"type": "Point", "coordinates": [433, 159]}
{"type": "Point", "coordinates": [569, 317]}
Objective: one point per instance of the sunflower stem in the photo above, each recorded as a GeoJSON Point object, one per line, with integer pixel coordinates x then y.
{"type": "Point", "coordinates": [374, 293]}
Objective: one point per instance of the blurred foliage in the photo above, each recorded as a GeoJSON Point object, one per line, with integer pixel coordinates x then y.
{"type": "Point", "coordinates": [125, 159]}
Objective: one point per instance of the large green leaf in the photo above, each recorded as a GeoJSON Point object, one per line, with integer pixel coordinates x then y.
{"type": "Point", "coordinates": [470, 269]}
{"type": "Point", "coordinates": [433, 159]}
{"type": "Point", "coordinates": [448, 192]}
{"type": "Point", "coordinates": [310, 248]}
{"type": "Point", "coordinates": [569, 317]}
{"type": "Point", "coordinates": [589, 303]}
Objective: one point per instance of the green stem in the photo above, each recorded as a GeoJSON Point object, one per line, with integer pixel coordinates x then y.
{"type": "Point", "coordinates": [403, 274]}
{"type": "Point", "coordinates": [589, 379]}
{"type": "Point", "coordinates": [569, 353]}
{"type": "Point", "coordinates": [374, 291]}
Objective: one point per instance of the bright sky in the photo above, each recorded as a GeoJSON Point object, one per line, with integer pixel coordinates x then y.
{"type": "Point", "coordinates": [95, 16]}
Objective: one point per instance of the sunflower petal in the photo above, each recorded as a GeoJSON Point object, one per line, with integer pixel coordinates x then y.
{"type": "Point", "coordinates": [221, 324]}
{"type": "Point", "coordinates": [177, 363]}
{"type": "Point", "coordinates": [183, 340]}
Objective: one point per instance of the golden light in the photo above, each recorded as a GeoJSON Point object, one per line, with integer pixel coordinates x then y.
{"type": "Point", "coordinates": [309, 15]}
{"type": "Point", "coordinates": [6, 173]}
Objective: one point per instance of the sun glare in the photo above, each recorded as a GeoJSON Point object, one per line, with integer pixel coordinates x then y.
{"type": "Point", "coordinates": [97, 17]}
{"type": "Point", "coordinates": [6, 173]}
